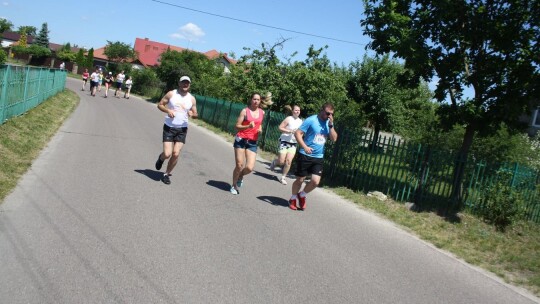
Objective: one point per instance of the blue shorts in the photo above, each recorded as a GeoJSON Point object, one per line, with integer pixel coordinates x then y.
{"type": "Point", "coordinates": [242, 143]}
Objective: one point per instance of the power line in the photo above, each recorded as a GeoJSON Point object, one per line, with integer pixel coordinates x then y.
{"type": "Point", "coordinates": [259, 24]}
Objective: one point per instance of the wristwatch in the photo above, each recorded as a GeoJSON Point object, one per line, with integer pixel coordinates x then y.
{"type": "Point", "coordinates": [330, 126]}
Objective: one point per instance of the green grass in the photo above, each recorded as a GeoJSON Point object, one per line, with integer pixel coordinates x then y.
{"type": "Point", "coordinates": [513, 255]}
{"type": "Point", "coordinates": [23, 137]}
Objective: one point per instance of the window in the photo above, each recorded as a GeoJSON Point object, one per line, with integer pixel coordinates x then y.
{"type": "Point", "coordinates": [536, 118]}
{"type": "Point", "coordinates": [146, 48]}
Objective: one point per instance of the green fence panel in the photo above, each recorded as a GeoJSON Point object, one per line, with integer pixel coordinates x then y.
{"type": "Point", "coordinates": [24, 88]}
{"type": "Point", "coordinates": [404, 171]}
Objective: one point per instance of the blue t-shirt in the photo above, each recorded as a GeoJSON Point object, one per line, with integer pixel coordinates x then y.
{"type": "Point", "coordinates": [315, 134]}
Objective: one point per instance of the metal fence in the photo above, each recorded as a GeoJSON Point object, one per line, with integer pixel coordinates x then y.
{"type": "Point", "coordinates": [23, 88]}
{"type": "Point", "coordinates": [405, 171]}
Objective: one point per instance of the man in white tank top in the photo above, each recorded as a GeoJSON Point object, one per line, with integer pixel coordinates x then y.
{"type": "Point", "coordinates": [179, 105]}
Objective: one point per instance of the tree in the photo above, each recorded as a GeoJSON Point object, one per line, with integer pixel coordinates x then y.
{"type": "Point", "coordinates": [119, 51]}
{"type": "Point", "coordinates": [29, 30]}
{"type": "Point", "coordinates": [65, 53]}
{"type": "Point", "coordinates": [42, 38]}
{"type": "Point", "coordinates": [373, 86]}
{"type": "Point", "coordinates": [175, 64]}
{"type": "Point", "coordinates": [79, 59]}
{"type": "Point", "coordinates": [89, 62]}
{"type": "Point", "coordinates": [5, 25]}
{"type": "Point", "coordinates": [489, 47]}
{"type": "Point", "coordinates": [22, 40]}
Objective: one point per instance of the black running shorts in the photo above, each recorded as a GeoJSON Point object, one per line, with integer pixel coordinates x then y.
{"type": "Point", "coordinates": [306, 165]}
{"type": "Point", "coordinates": [174, 134]}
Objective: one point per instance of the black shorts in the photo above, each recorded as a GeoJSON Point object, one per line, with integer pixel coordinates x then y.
{"type": "Point", "coordinates": [119, 85]}
{"type": "Point", "coordinates": [174, 134]}
{"type": "Point", "coordinates": [93, 84]}
{"type": "Point", "coordinates": [306, 165]}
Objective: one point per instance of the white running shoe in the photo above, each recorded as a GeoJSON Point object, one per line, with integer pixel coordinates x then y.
{"type": "Point", "coordinates": [283, 180]}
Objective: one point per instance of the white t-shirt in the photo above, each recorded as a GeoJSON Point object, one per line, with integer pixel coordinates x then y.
{"type": "Point", "coordinates": [292, 125]}
{"type": "Point", "coordinates": [180, 105]}
{"type": "Point", "coordinates": [120, 78]}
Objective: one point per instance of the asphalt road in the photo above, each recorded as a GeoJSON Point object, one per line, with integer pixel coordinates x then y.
{"type": "Point", "coordinates": [90, 222]}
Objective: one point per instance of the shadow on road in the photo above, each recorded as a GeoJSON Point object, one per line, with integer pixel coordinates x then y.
{"type": "Point", "coordinates": [265, 175]}
{"type": "Point", "coordinates": [276, 201]}
{"type": "Point", "coordinates": [152, 174]}
{"type": "Point", "coordinates": [219, 184]}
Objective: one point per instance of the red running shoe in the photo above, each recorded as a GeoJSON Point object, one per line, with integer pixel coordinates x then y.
{"type": "Point", "coordinates": [292, 204]}
{"type": "Point", "coordinates": [302, 200]}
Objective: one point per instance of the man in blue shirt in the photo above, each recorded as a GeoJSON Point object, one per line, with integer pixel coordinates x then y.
{"type": "Point", "coordinates": [311, 137]}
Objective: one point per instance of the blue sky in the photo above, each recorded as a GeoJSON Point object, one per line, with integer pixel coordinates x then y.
{"type": "Point", "coordinates": [92, 23]}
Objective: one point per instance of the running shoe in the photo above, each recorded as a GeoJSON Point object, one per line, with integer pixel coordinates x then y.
{"type": "Point", "coordinates": [239, 183]}
{"type": "Point", "coordinates": [234, 191]}
{"type": "Point", "coordinates": [302, 204]}
{"type": "Point", "coordinates": [159, 162]}
{"type": "Point", "coordinates": [283, 180]}
{"type": "Point", "coordinates": [165, 179]}
{"type": "Point", "coordinates": [292, 204]}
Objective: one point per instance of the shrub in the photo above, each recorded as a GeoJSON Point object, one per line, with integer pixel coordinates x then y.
{"type": "Point", "coordinates": [3, 56]}
{"type": "Point", "coordinates": [501, 204]}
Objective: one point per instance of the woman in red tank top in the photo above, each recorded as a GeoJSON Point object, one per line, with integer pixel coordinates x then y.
{"type": "Point", "coordinates": [249, 126]}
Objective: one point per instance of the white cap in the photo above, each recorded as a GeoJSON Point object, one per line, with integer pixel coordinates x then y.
{"type": "Point", "coordinates": [185, 78]}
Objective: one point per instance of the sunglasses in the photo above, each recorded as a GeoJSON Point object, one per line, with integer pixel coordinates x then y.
{"type": "Point", "coordinates": [329, 114]}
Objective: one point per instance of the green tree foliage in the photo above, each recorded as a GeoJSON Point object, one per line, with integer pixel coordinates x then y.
{"type": "Point", "coordinates": [146, 83]}
{"type": "Point", "coordinates": [5, 25]}
{"type": "Point", "coordinates": [65, 53]}
{"type": "Point", "coordinates": [308, 84]}
{"type": "Point", "coordinates": [487, 46]}
{"type": "Point", "coordinates": [28, 29]}
{"type": "Point", "coordinates": [89, 62]}
{"type": "Point", "coordinates": [23, 40]}
{"type": "Point", "coordinates": [198, 67]}
{"type": "Point", "coordinates": [3, 56]}
{"type": "Point", "coordinates": [79, 58]}
{"type": "Point", "coordinates": [43, 37]}
{"type": "Point", "coordinates": [373, 85]}
{"type": "Point", "coordinates": [34, 50]}
{"type": "Point", "coordinates": [119, 51]}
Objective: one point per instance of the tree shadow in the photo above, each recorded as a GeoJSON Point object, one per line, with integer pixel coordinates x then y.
{"type": "Point", "coordinates": [152, 174]}
{"type": "Point", "coordinates": [219, 184]}
{"type": "Point", "coordinates": [276, 201]}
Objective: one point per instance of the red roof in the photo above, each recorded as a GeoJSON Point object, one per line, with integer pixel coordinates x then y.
{"type": "Point", "coordinates": [150, 51]}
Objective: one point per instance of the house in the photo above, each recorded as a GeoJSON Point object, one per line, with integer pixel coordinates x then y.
{"type": "Point", "coordinates": [8, 38]}
{"type": "Point", "coordinates": [149, 52]}
{"type": "Point", "coordinates": [534, 122]}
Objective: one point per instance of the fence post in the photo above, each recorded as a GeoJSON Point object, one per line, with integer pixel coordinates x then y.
{"type": "Point", "coordinates": [25, 95]}
{"type": "Point", "coordinates": [3, 98]}
{"type": "Point", "coordinates": [516, 168]}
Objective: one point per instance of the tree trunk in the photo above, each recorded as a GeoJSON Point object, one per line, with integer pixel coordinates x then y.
{"type": "Point", "coordinates": [459, 167]}
{"type": "Point", "coordinates": [375, 141]}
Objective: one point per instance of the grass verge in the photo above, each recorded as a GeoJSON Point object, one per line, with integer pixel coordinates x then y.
{"type": "Point", "coordinates": [22, 138]}
{"type": "Point", "coordinates": [513, 255]}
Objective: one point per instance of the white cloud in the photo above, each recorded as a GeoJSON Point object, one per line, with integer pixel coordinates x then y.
{"type": "Point", "coordinates": [189, 32]}
{"type": "Point", "coordinates": [5, 3]}
{"type": "Point", "coordinates": [85, 18]}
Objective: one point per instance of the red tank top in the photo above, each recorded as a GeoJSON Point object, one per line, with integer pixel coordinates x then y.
{"type": "Point", "coordinates": [251, 133]}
